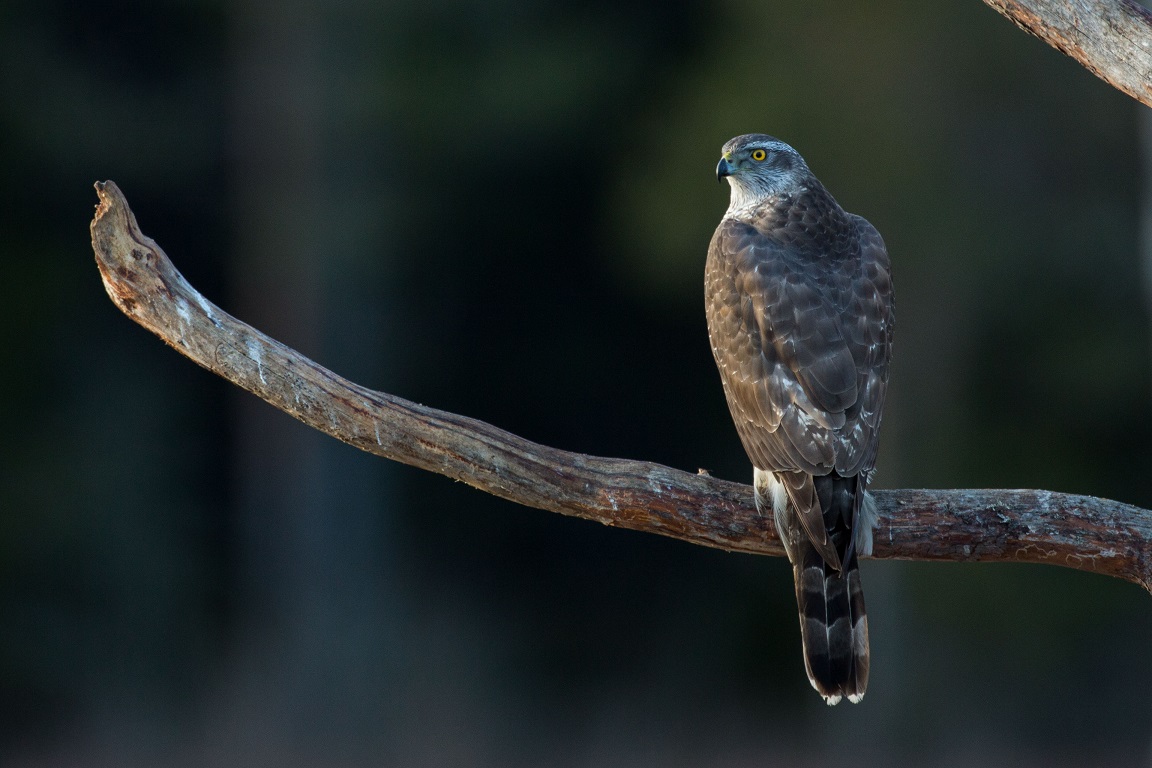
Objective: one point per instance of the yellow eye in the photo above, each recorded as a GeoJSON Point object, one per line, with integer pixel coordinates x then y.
{"type": "Point", "coordinates": [758, 155]}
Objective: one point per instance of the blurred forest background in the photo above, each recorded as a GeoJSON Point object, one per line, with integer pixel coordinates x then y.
{"type": "Point", "coordinates": [501, 209]}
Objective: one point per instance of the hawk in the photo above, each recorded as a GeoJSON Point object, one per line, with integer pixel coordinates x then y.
{"type": "Point", "coordinates": [798, 294]}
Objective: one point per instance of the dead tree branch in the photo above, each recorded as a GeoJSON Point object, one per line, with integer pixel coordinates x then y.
{"type": "Point", "coordinates": [1023, 526]}
{"type": "Point", "coordinates": [1111, 38]}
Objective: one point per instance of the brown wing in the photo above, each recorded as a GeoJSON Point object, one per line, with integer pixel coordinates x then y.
{"type": "Point", "coordinates": [870, 338]}
{"type": "Point", "coordinates": [801, 327]}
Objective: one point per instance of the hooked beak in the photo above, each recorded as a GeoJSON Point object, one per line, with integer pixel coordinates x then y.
{"type": "Point", "coordinates": [723, 169]}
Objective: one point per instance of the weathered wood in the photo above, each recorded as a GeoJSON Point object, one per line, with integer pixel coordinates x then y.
{"type": "Point", "coordinates": [1024, 526]}
{"type": "Point", "coordinates": [1111, 38]}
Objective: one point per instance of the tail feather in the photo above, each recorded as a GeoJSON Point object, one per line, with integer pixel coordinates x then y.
{"type": "Point", "coordinates": [833, 623]}
{"type": "Point", "coordinates": [833, 626]}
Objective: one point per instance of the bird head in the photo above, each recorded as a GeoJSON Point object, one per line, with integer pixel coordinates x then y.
{"type": "Point", "coordinates": [759, 166]}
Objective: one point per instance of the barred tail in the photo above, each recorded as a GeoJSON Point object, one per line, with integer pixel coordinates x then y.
{"type": "Point", "coordinates": [833, 625]}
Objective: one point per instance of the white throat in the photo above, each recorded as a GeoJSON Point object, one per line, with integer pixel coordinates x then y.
{"type": "Point", "coordinates": [744, 197]}
{"type": "Point", "coordinates": [749, 196]}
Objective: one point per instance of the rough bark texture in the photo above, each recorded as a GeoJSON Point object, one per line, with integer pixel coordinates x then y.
{"type": "Point", "coordinates": [1111, 38]}
{"type": "Point", "coordinates": [972, 525]}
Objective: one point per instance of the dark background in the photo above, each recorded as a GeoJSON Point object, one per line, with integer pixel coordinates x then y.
{"type": "Point", "coordinates": [501, 209]}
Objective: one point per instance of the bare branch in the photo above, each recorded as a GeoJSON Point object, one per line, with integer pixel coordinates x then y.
{"type": "Point", "coordinates": [1111, 38]}
{"type": "Point", "coordinates": [1024, 526]}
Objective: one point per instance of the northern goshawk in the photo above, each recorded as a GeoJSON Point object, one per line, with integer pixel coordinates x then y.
{"type": "Point", "coordinates": [800, 316]}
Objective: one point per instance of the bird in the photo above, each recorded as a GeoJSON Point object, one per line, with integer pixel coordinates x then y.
{"type": "Point", "coordinates": [799, 304]}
